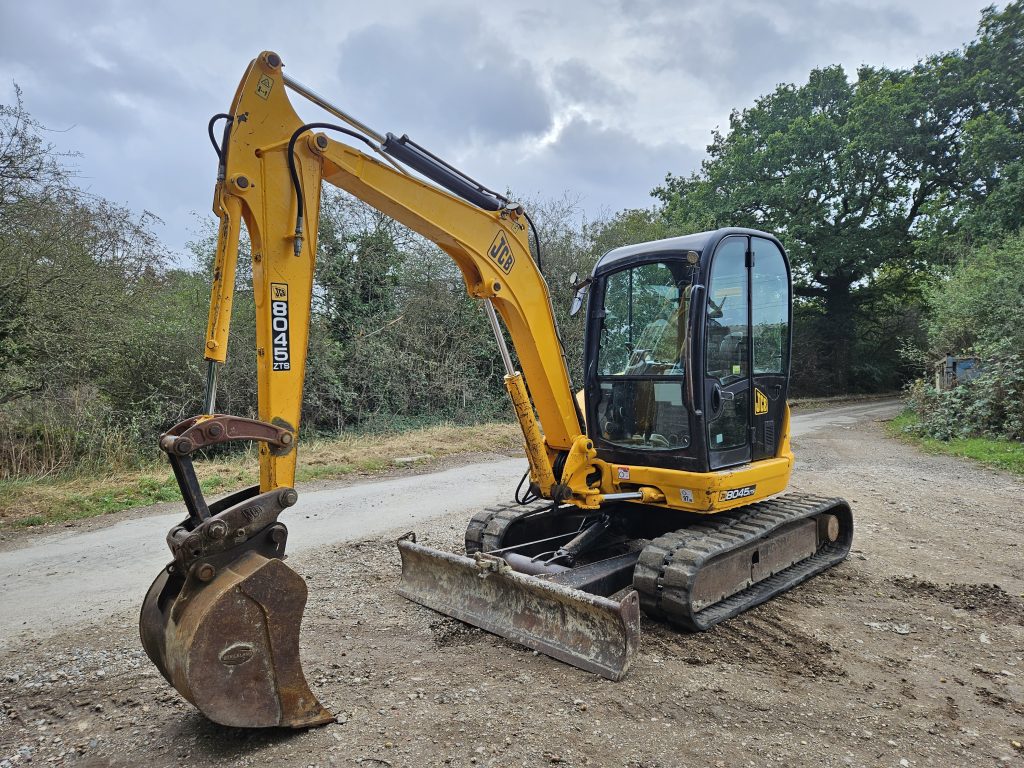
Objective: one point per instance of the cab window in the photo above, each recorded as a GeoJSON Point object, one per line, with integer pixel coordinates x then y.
{"type": "Point", "coordinates": [641, 357]}
{"type": "Point", "coordinates": [644, 323]}
{"type": "Point", "coordinates": [770, 289]}
{"type": "Point", "coordinates": [726, 348]}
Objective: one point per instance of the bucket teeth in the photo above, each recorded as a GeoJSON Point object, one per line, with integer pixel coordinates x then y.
{"type": "Point", "coordinates": [231, 646]}
{"type": "Point", "coordinates": [593, 633]}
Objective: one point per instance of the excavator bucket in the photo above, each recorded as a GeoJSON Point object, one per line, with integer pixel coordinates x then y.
{"type": "Point", "coordinates": [221, 621]}
{"type": "Point", "coordinates": [594, 633]}
{"type": "Point", "coordinates": [231, 646]}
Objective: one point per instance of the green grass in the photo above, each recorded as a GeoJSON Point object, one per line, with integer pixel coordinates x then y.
{"type": "Point", "coordinates": [336, 471]}
{"type": "Point", "coordinates": [78, 506]}
{"type": "Point", "coordinates": [1001, 454]}
{"type": "Point", "coordinates": [34, 502]}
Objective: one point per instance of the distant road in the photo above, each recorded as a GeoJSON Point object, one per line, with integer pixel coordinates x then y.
{"type": "Point", "coordinates": [57, 581]}
{"type": "Point", "coordinates": [844, 416]}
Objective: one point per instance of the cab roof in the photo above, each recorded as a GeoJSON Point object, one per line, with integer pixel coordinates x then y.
{"type": "Point", "coordinates": [699, 242]}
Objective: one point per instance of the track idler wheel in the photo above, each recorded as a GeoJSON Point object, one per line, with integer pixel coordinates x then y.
{"type": "Point", "coordinates": [230, 645]}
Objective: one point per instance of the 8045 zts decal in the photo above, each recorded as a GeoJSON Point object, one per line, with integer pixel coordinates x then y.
{"type": "Point", "coordinates": [279, 345]}
{"type": "Point", "coordinates": [737, 493]}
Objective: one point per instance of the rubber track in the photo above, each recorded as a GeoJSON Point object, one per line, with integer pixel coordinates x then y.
{"type": "Point", "coordinates": [669, 565]}
{"type": "Point", "coordinates": [487, 528]}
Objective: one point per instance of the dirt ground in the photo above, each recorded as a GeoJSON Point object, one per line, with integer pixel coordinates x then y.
{"type": "Point", "coordinates": [910, 653]}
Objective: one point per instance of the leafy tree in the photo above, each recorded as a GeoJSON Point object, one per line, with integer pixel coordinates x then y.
{"type": "Point", "coordinates": [989, 78]}
{"type": "Point", "coordinates": [76, 271]}
{"type": "Point", "coordinates": [869, 182]}
{"type": "Point", "coordinates": [977, 308]}
{"type": "Point", "coordinates": [842, 172]}
{"type": "Point", "coordinates": [31, 175]}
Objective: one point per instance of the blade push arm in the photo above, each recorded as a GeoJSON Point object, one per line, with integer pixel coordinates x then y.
{"type": "Point", "coordinates": [490, 247]}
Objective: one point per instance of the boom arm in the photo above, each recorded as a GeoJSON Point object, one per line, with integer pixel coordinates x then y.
{"type": "Point", "coordinates": [490, 248]}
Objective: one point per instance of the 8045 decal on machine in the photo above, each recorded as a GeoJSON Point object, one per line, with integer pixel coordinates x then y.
{"type": "Point", "coordinates": [737, 493]}
{"type": "Point", "coordinates": [279, 345]}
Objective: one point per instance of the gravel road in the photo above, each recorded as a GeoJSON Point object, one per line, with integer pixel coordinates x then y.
{"type": "Point", "coordinates": [108, 568]}
{"type": "Point", "coordinates": [910, 653]}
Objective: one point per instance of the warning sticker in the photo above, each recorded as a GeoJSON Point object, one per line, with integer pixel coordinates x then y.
{"type": "Point", "coordinates": [263, 87]}
{"type": "Point", "coordinates": [623, 473]}
{"type": "Point", "coordinates": [686, 495]}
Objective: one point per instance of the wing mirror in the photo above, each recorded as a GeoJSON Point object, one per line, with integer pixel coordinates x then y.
{"type": "Point", "coordinates": [581, 292]}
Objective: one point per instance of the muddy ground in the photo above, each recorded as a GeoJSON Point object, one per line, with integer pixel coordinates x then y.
{"type": "Point", "coordinates": [911, 653]}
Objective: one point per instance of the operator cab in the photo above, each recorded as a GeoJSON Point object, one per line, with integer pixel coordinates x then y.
{"type": "Point", "coordinates": [687, 351]}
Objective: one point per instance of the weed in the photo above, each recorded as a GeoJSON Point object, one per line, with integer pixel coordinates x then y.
{"type": "Point", "coordinates": [993, 452]}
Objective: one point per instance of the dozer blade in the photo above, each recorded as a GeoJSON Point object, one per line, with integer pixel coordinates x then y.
{"type": "Point", "coordinates": [231, 645]}
{"type": "Point", "coordinates": [588, 631]}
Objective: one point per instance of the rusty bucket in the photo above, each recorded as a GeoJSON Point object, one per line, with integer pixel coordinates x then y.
{"type": "Point", "coordinates": [231, 645]}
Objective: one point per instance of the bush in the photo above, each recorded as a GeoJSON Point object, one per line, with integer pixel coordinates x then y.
{"type": "Point", "coordinates": [976, 309]}
{"type": "Point", "coordinates": [991, 405]}
{"type": "Point", "coordinates": [76, 431]}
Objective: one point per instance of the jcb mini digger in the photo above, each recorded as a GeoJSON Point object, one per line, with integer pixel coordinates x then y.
{"type": "Point", "coordinates": [654, 489]}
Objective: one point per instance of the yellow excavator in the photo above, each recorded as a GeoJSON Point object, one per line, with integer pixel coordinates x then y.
{"type": "Point", "coordinates": [656, 487]}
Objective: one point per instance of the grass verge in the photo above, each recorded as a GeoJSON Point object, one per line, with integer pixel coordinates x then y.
{"type": "Point", "coordinates": [1001, 454]}
{"type": "Point", "coordinates": [34, 502]}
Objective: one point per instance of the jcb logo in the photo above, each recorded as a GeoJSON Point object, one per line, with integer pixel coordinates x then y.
{"type": "Point", "coordinates": [279, 343]}
{"type": "Point", "coordinates": [501, 253]}
{"type": "Point", "coordinates": [760, 402]}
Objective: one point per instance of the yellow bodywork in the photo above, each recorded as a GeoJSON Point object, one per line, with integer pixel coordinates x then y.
{"type": "Point", "coordinates": [491, 250]}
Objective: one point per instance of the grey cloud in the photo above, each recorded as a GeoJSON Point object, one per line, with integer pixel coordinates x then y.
{"type": "Point", "coordinates": [609, 158]}
{"type": "Point", "coordinates": [749, 51]}
{"type": "Point", "coordinates": [447, 76]}
{"type": "Point", "coordinates": [608, 168]}
{"type": "Point", "coordinates": [95, 79]}
{"type": "Point", "coordinates": [578, 82]}
{"type": "Point", "coordinates": [137, 81]}
{"type": "Point", "coordinates": [77, 72]}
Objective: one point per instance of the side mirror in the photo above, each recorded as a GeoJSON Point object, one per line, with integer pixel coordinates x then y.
{"type": "Point", "coordinates": [581, 292]}
{"type": "Point", "coordinates": [577, 301]}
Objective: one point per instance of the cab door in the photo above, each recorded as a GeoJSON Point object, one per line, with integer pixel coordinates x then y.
{"type": "Point", "coordinates": [727, 380]}
{"type": "Point", "coordinates": [770, 344]}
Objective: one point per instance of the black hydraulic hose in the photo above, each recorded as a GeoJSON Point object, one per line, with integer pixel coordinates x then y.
{"type": "Point", "coordinates": [218, 148]}
{"type": "Point", "coordinates": [536, 241]}
{"type": "Point", "coordinates": [294, 173]}
{"type": "Point", "coordinates": [529, 496]}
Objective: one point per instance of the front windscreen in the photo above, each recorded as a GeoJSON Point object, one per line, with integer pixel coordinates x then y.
{"type": "Point", "coordinates": [642, 357]}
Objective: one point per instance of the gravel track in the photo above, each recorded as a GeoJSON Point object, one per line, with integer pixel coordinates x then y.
{"type": "Point", "coordinates": [910, 653]}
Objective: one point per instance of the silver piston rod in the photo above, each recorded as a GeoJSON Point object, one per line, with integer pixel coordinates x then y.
{"type": "Point", "coordinates": [325, 105]}
{"type": "Point", "coordinates": [210, 398]}
{"type": "Point", "coordinates": [506, 358]}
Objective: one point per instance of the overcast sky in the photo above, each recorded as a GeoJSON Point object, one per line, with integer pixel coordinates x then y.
{"type": "Point", "coordinates": [596, 99]}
